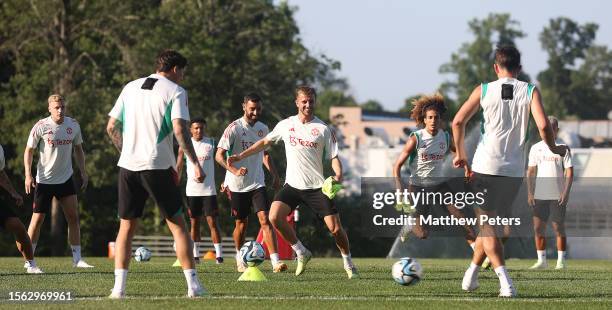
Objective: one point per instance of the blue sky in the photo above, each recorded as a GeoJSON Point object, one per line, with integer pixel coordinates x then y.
{"type": "Point", "coordinates": [392, 49]}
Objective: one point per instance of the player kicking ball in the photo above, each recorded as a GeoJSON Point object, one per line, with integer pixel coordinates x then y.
{"type": "Point", "coordinates": [499, 161]}
{"type": "Point", "coordinates": [549, 180]}
{"type": "Point", "coordinates": [201, 196]}
{"type": "Point", "coordinates": [245, 183]}
{"type": "Point", "coordinates": [11, 223]}
{"type": "Point", "coordinates": [307, 141]}
{"type": "Point", "coordinates": [55, 137]}
{"type": "Point", "coordinates": [425, 151]}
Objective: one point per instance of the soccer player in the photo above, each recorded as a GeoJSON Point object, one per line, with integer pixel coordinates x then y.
{"type": "Point", "coordinates": [549, 180]}
{"type": "Point", "coordinates": [246, 183]}
{"type": "Point", "coordinates": [499, 161]}
{"type": "Point", "coordinates": [201, 196]}
{"type": "Point", "coordinates": [141, 124]}
{"type": "Point", "coordinates": [425, 151]}
{"type": "Point", "coordinates": [10, 222]}
{"type": "Point", "coordinates": [308, 140]}
{"type": "Point", "coordinates": [55, 137]}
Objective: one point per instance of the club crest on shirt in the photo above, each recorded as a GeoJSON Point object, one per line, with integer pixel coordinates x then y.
{"type": "Point", "coordinates": [314, 132]}
{"type": "Point", "coordinates": [260, 133]}
{"type": "Point", "coordinates": [442, 145]}
{"type": "Point", "coordinates": [69, 130]}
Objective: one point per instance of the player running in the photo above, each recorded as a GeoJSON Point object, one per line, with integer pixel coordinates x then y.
{"type": "Point", "coordinates": [246, 183]}
{"type": "Point", "coordinates": [201, 196]}
{"type": "Point", "coordinates": [307, 141]}
{"type": "Point", "coordinates": [499, 161]}
{"type": "Point", "coordinates": [549, 180]}
{"type": "Point", "coordinates": [55, 137]}
{"type": "Point", "coordinates": [141, 124]}
{"type": "Point", "coordinates": [425, 151]}
{"type": "Point", "coordinates": [11, 223]}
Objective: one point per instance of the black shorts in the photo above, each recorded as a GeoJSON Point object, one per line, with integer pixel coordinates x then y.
{"type": "Point", "coordinates": [44, 193]}
{"type": "Point", "coordinates": [313, 198]}
{"type": "Point", "coordinates": [136, 186]}
{"type": "Point", "coordinates": [498, 192]}
{"type": "Point", "coordinates": [206, 203]}
{"type": "Point", "coordinates": [544, 209]}
{"type": "Point", "coordinates": [241, 203]}
{"type": "Point", "coordinates": [5, 214]}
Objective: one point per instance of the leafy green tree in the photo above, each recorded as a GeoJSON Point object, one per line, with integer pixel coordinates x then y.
{"type": "Point", "coordinates": [87, 50]}
{"type": "Point", "coordinates": [372, 105]}
{"type": "Point", "coordinates": [473, 63]}
{"type": "Point", "coordinates": [564, 90]}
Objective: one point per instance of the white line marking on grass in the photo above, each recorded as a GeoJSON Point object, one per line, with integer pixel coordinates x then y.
{"type": "Point", "coordinates": [364, 298]}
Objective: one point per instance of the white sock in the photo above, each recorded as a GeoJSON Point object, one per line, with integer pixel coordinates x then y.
{"type": "Point", "coordinates": [274, 258]}
{"type": "Point", "coordinates": [120, 279]}
{"type": "Point", "coordinates": [193, 283]}
{"type": "Point", "coordinates": [541, 256]}
{"type": "Point", "coordinates": [346, 259]}
{"type": "Point", "coordinates": [196, 249]}
{"type": "Point", "coordinates": [174, 246]}
{"type": "Point", "coordinates": [33, 247]}
{"type": "Point", "coordinates": [76, 253]}
{"type": "Point", "coordinates": [561, 257]}
{"type": "Point", "coordinates": [299, 248]}
{"type": "Point", "coordinates": [473, 246]}
{"type": "Point", "coordinates": [218, 250]}
{"type": "Point", "coordinates": [504, 278]}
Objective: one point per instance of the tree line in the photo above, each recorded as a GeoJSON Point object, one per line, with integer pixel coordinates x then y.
{"type": "Point", "coordinates": [87, 51]}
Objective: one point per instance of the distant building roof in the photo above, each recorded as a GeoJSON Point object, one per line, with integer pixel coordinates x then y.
{"type": "Point", "coordinates": [384, 116]}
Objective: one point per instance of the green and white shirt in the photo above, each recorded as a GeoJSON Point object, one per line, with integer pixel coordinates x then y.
{"type": "Point", "coordinates": [146, 109]}
{"type": "Point", "coordinates": [427, 160]}
{"type": "Point", "coordinates": [504, 128]}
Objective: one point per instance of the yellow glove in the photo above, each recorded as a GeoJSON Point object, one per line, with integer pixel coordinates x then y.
{"type": "Point", "coordinates": [331, 187]}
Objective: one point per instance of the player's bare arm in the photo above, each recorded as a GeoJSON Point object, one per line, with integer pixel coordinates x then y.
{"type": "Point", "coordinates": [220, 159]}
{"type": "Point", "coordinates": [544, 127]}
{"type": "Point", "coordinates": [28, 156]}
{"type": "Point", "coordinates": [532, 172]}
{"type": "Point", "coordinates": [79, 155]}
{"type": "Point", "coordinates": [269, 164]}
{"type": "Point", "coordinates": [336, 165]}
{"type": "Point", "coordinates": [180, 163]}
{"type": "Point", "coordinates": [401, 159]}
{"type": "Point", "coordinates": [113, 129]}
{"type": "Point", "coordinates": [463, 116]}
{"type": "Point", "coordinates": [254, 149]}
{"type": "Point", "coordinates": [568, 180]}
{"type": "Point", "coordinates": [183, 137]}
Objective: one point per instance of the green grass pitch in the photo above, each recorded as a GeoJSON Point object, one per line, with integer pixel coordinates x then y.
{"type": "Point", "coordinates": [324, 285]}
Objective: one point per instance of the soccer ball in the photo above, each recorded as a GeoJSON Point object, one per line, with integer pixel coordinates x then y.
{"type": "Point", "coordinates": [142, 254]}
{"type": "Point", "coordinates": [252, 253]}
{"type": "Point", "coordinates": [407, 271]}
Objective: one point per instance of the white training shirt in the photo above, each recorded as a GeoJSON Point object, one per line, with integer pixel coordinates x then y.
{"type": "Point", "coordinates": [237, 137]}
{"type": "Point", "coordinates": [54, 143]}
{"type": "Point", "coordinates": [205, 151]}
{"type": "Point", "coordinates": [146, 117]}
{"type": "Point", "coordinates": [306, 145]}
{"type": "Point", "coordinates": [2, 162]}
{"type": "Point", "coordinates": [504, 129]}
{"type": "Point", "coordinates": [551, 167]}
{"type": "Point", "coordinates": [427, 160]}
